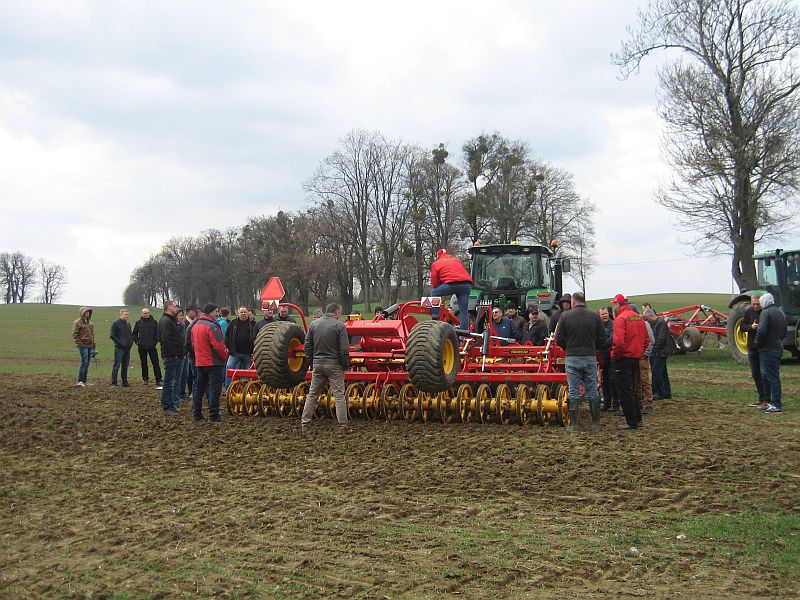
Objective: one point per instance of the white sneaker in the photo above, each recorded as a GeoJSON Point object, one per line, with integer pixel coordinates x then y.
{"type": "Point", "coordinates": [159, 387]}
{"type": "Point", "coordinates": [81, 384]}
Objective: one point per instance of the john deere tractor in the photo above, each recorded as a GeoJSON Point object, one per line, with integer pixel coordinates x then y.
{"type": "Point", "coordinates": [779, 274]}
{"type": "Point", "coordinates": [527, 275]}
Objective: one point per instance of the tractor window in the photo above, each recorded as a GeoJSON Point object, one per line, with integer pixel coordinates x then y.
{"type": "Point", "coordinates": [793, 269]}
{"type": "Point", "coordinates": [507, 271]}
{"type": "Point", "coordinates": [767, 274]}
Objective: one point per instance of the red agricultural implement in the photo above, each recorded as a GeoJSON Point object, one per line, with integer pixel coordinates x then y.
{"type": "Point", "coordinates": [404, 366]}
{"type": "Point", "coordinates": [689, 331]}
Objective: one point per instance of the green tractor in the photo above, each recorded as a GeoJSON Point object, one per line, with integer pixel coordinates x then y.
{"type": "Point", "coordinates": [778, 274]}
{"type": "Point", "coordinates": [527, 275]}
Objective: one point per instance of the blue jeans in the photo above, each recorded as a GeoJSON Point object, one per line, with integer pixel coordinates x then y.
{"type": "Point", "coordinates": [770, 363]}
{"type": "Point", "coordinates": [183, 374]}
{"type": "Point", "coordinates": [582, 371]}
{"type": "Point", "coordinates": [461, 290]}
{"type": "Point", "coordinates": [209, 381]}
{"type": "Point", "coordinates": [122, 358]}
{"type": "Point", "coordinates": [660, 377]}
{"type": "Point", "coordinates": [762, 387]}
{"type": "Point", "coordinates": [237, 361]}
{"type": "Point", "coordinates": [169, 394]}
{"type": "Point", "coordinates": [86, 356]}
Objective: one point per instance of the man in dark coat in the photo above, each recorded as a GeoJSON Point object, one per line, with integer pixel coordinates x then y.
{"type": "Point", "coordinates": [663, 348]}
{"type": "Point", "coordinates": [123, 340]}
{"type": "Point", "coordinates": [535, 330]}
{"type": "Point", "coordinates": [145, 336]}
{"type": "Point", "coordinates": [172, 350]}
{"type": "Point", "coordinates": [769, 341]}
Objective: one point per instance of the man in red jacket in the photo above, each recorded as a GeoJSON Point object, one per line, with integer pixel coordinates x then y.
{"type": "Point", "coordinates": [630, 341]}
{"type": "Point", "coordinates": [448, 276]}
{"type": "Point", "coordinates": [210, 356]}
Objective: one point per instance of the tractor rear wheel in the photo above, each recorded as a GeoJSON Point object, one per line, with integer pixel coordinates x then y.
{"type": "Point", "coordinates": [275, 350]}
{"type": "Point", "coordinates": [691, 340]}
{"type": "Point", "coordinates": [432, 358]}
{"type": "Point", "coordinates": [737, 337]}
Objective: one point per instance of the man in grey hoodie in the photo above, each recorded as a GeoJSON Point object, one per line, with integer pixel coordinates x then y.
{"type": "Point", "coordinates": [769, 342]}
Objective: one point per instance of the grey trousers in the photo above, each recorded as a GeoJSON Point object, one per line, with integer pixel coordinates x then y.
{"type": "Point", "coordinates": [320, 375]}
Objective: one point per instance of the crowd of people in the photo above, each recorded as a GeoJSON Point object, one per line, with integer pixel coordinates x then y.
{"type": "Point", "coordinates": [628, 348]}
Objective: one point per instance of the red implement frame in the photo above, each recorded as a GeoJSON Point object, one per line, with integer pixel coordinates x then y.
{"type": "Point", "coordinates": [703, 318]}
{"type": "Point", "coordinates": [378, 348]}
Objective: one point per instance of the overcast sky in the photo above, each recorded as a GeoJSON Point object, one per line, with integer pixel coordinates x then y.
{"type": "Point", "coordinates": [123, 124]}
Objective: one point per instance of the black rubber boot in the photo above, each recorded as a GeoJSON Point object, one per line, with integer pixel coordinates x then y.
{"type": "Point", "coordinates": [573, 415]}
{"type": "Point", "coordinates": [594, 407]}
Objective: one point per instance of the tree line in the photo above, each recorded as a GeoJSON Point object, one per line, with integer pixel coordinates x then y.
{"type": "Point", "coordinates": [377, 209]}
{"type": "Point", "coordinates": [21, 274]}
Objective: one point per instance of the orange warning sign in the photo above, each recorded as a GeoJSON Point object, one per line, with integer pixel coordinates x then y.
{"type": "Point", "coordinates": [273, 290]}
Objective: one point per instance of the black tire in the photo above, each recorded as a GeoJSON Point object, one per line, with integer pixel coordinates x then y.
{"type": "Point", "coordinates": [678, 348]}
{"type": "Point", "coordinates": [432, 358]}
{"type": "Point", "coordinates": [273, 348]}
{"type": "Point", "coordinates": [690, 340]}
{"type": "Point", "coordinates": [737, 339]}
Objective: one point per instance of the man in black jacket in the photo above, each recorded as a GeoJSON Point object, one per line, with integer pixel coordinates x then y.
{"type": "Point", "coordinates": [172, 349]}
{"type": "Point", "coordinates": [145, 336]}
{"type": "Point", "coordinates": [535, 330]}
{"type": "Point", "coordinates": [327, 351]}
{"type": "Point", "coordinates": [769, 341]}
{"type": "Point", "coordinates": [239, 340]}
{"type": "Point", "coordinates": [750, 326]}
{"type": "Point", "coordinates": [663, 348]}
{"type": "Point", "coordinates": [581, 334]}
{"type": "Point", "coordinates": [123, 340]}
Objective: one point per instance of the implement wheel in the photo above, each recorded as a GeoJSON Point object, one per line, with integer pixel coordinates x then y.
{"type": "Point", "coordinates": [690, 340]}
{"type": "Point", "coordinates": [465, 402]}
{"type": "Point", "coordinates": [263, 400]}
{"type": "Point", "coordinates": [542, 402]}
{"type": "Point", "coordinates": [526, 413]}
{"type": "Point", "coordinates": [505, 406]}
{"type": "Point", "coordinates": [409, 407]}
{"type": "Point", "coordinates": [371, 404]}
{"type": "Point", "coordinates": [390, 402]}
{"type": "Point", "coordinates": [483, 403]}
{"type": "Point", "coordinates": [235, 397]}
{"type": "Point", "coordinates": [448, 407]}
{"type": "Point", "coordinates": [354, 395]}
{"type": "Point", "coordinates": [432, 358]}
{"type": "Point", "coordinates": [562, 405]}
{"type": "Point", "coordinates": [299, 394]}
{"type": "Point", "coordinates": [737, 337]}
{"type": "Point", "coordinates": [250, 398]}
{"type": "Point", "coordinates": [276, 354]}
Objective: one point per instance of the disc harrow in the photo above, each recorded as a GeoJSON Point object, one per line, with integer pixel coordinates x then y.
{"type": "Point", "coordinates": [406, 367]}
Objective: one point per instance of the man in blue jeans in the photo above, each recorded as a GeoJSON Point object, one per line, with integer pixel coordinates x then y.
{"type": "Point", "coordinates": [769, 341]}
{"type": "Point", "coordinates": [448, 276]}
{"type": "Point", "coordinates": [172, 349]}
{"type": "Point", "coordinates": [83, 334]}
{"type": "Point", "coordinates": [581, 334]}
{"type": "Point", "coordinates": [123, 340]}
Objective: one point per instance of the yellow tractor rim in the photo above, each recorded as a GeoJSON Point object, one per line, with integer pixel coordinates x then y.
{"type": "Point", "coordinates": [295, 361]}
{"type": "Point", "coordinates": [740, 337]}
{"type": "Point", "coordinates": [448, 356]}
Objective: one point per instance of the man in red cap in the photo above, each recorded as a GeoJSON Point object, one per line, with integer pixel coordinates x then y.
{"type": "Point", "coordinates": [629, 343]}
{"type": "Point", "coordinates": [448, 276]}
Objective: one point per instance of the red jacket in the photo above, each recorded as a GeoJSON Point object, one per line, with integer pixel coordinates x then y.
{"type": "Point", "coordinates": [630, 335]}
{"type": "Point", "coordinates": [448, 269]}
{"type": "Point", "coordinates": [208, 344]}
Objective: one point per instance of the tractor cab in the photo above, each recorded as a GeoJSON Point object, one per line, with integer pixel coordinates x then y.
{"type": "Point", "coordinates": [527, 275]}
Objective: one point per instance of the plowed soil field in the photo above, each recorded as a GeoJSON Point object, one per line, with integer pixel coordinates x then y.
{"type": "Point", "coordinates": [105, 497]}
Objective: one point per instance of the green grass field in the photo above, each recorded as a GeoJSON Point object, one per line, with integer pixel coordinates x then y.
{"type": "Point", "coordinates": [37, 338]}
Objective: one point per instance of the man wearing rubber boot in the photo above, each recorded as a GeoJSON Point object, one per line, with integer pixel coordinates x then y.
{"type": "Point", "coordinates": [630, 340]}
{"type": "Point", "coordinates": [581, 334]}
{"type": "Point", "coordinates": [327, 350]}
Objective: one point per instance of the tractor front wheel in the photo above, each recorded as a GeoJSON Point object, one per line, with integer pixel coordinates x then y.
{"type": "Point", "coordinates": [737, 337]}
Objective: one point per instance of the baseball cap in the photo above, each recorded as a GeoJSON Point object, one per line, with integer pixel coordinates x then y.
{"type": "Point", "coordinates": [619, 299]}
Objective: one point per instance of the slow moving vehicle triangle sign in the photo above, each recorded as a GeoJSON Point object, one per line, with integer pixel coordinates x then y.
{"type": "Point", "coordinates": [273, 291]}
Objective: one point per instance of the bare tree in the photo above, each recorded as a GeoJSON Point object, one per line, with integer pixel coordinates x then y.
{"type": "Point", "coordinates": [731, 110]}
{"type": "Point", "coordinates": [52, 278]}
{"type": "Point", "coordinates": [18, 274]}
